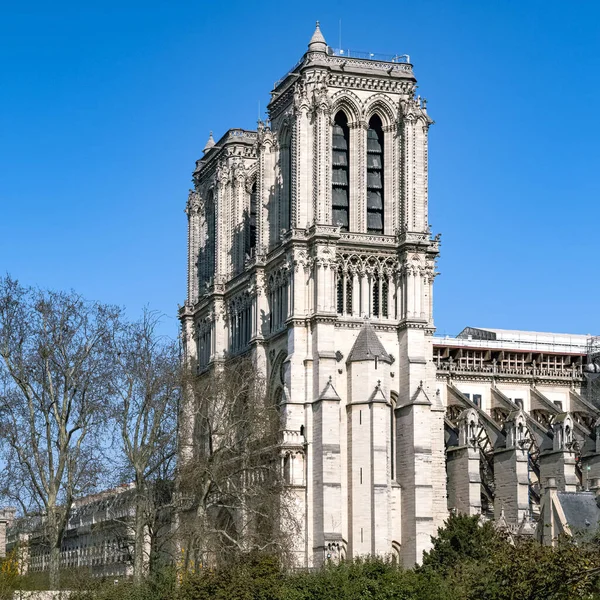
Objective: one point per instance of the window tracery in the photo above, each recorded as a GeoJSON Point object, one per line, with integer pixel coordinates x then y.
{"type": "Point", "coordinates": [204, 342]}
{"type": "Point", "coordinates": [375, 179]}
{"type": "Point", "coordinates": [340, 172]}
{"type": "Point", "coordinates": [366, 286]}
{"type": "Point", "coordinates": [206, 256]}
{"type": "Point", "coordinates": [285, 211]}
{"type": "Point", "coordinates": [240, 311]}
{"type": "Point", "coordinates": [278, 296]}
{"type": "Point", "coordinates": [250, 221]}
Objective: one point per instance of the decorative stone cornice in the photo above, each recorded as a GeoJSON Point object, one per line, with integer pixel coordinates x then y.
{"type": "Point", "coordinates": [356, 82]}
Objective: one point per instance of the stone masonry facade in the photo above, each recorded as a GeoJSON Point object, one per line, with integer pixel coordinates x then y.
{"type": "Point", "coordinates": [310, 249]}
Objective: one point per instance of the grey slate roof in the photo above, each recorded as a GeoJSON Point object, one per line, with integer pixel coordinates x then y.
{"type": "Point", "coordinates": [368, 346]}
{"type": "Point", "coordinates": [581, 511]}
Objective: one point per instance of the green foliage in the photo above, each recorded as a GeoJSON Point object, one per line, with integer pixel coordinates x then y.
{"type": "Point", "coordinates": [161, 586]}
{"type": "Point", "coordinates": [371, 578]}
{"type": "Point", "coordinates": [462, 539]}
{"type": "Point", "coordinates": [256, 576]}
{"type": "Point", "coordinates": [469, 560]}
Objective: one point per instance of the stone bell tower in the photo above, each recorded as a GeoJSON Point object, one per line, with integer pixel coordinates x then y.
{"type": "Point", "coordinates": [323, 267]}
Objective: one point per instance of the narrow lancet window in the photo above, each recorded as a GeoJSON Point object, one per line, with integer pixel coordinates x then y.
{"type": "Point", "coordinates": [206, 258]}
{"type": "Point", "coordinates": [251, 223]}
{"type": "Point", "coordinates": [375, 176]}
{"type": "Point", "coordinates": [340, 176]}
{"type": "Point", "coordinates": [288, 188]}
{"type": "Point", "coordinates": [285, 164]}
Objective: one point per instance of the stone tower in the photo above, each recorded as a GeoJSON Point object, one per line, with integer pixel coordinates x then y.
{"type": "Point", "coordinates": [309, 247]}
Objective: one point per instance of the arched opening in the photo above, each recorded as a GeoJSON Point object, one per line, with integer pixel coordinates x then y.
{"type": "Point", "coordinates": [393, 425]}
{"type": "Point", "coordinates": [340, 175]}
{"type": "Point", "coordinates": [285, 208]}
{"type": "Point", "coordinates": [206, 258]}
{"type": "Point", "coordinates": [375, 187]}
{"type": "Point", "coordinates": [251, 220]}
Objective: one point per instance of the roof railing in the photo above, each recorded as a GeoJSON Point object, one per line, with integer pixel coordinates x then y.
{"type": "Point", "coordinates": [345, 53]}
{"type": "Point", "coordinates": [393, 58]}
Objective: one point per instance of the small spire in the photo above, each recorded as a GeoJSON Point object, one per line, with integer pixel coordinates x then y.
{"type": "Point", "coordinates": [317, 41]}
{"type": "Point", "coordinates": [210, 143]}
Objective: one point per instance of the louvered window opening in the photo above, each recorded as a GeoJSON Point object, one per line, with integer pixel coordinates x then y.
{"type": "Point", "coordinates": [250, 223]}
{"type": "Point", "coordinates": [375, 187]}
{"type": "Point", "coordinates": [278, 307]}
{"type": "Point", "coordinates": [206, 259]}
{"type": "Point", "coordinates": [340, 176]}
{"type": "Point", "coordinates": [380, 289]}
{"type": "Point", "coordinates": [344, 286]}
{"type": "Point", "coordinates": [204, 347]}
{"type": "Point", "coordinates": [287, 187]}
{"type": "Point", "coordinates": [240, 328]}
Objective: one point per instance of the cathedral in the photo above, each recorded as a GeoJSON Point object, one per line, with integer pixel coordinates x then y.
{"type": "Point", "coordinates": [309, 245]}
{"type": "Point", "coordinates": [309, 249]}
{"type": "Point", "coordinates": [310, 254]}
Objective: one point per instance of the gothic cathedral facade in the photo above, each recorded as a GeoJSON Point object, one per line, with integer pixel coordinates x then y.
{"type": "Point", "coordinates": [309, 247]}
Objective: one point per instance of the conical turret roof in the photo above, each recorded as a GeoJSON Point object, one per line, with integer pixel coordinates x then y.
{"type": "Point", "coordinates": [368, 346]}
{"type": "Point", "coordinates": [210, 143]}
{"type": "Point", "coordinates": [317, 41]}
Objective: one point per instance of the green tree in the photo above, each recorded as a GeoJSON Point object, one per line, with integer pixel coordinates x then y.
{"type": "Point", "coordinates": [462, 539]}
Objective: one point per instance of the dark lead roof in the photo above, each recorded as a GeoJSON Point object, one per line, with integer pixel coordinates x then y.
{"type": "Point", "coordinates": [368, 346]}
{"type": "Point", "coordinates": [581, 511]}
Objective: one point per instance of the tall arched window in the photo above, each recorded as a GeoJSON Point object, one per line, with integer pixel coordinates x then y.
{"type": "Point", "coordinates": [340, 176]}
{"type": "Point", "coordinates": [285, 212]}
{"type": "Point", "coordinates": [375, 189]}
{"type": "Point", "coordinates": [393, 435]}
{"type": "Point", "coordinates": [206, 258]}
{"type": "Point", "coordinates": [250, 222]}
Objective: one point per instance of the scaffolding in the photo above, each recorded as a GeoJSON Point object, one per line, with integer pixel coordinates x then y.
{"type": "Point", "coordinates": [592, 370]}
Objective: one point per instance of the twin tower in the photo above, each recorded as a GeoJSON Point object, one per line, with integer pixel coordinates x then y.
{"type": "Point", "coordinates": [309, 247]}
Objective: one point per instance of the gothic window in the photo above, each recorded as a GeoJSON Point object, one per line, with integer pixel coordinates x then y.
{"type": "Point", "coordinates": [385, 288]}
{"type": "Point", "coordinates": [204, 344]}
{"type": "Point", "coordinates": [375, 189]}
{"type": "Point", "coordinates": [344, 292]}
{"type": "Point", "coordinates": [380, 288]}
{"type": "Point", "coordinates": [375, 290]}
{"type": "Point", "coordinates": [340, 175]}
{"type": "Point", "coordinates": [240, 323]}
{"type": "Point", "coordinates": [393, 405]}
{"type": "Point", "coordinates": [286, 188]}
{"type": "Point", "coordinates": [207, 256]}
{"type": "Point", "coordinates": [278, 301]}
{"type": "Point", "coordinates": [250, 222]}
{"type": "Point", "coordinates": [349, 293]}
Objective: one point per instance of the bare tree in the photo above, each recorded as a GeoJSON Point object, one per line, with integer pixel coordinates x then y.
{"type": "Point", "coordinates": [147, 382]}
{"type": "Point", "coordinates": [55, 363]}
{"type": "Point", "coordinates": [231, 489]}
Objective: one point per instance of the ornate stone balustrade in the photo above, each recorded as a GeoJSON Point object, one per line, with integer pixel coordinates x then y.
{"type": "Point", "coordinates": [572, 372]}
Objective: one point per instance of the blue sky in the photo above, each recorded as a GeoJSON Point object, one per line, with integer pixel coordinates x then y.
{"type": "Point", "coordinates": [105, 107]}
